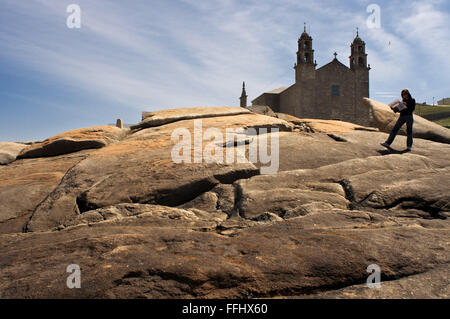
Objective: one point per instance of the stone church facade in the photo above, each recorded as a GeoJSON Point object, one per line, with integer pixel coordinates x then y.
{"type": "Point", "coordinates": [333, 91]}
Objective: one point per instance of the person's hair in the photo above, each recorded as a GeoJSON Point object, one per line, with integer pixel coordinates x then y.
{"type": "Point", "coordinates": [407, 92]}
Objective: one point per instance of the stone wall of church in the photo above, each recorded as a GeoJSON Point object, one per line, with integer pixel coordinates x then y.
{"type": "Point", "coordinates": [340, 107]}
{"type": "Point", "coordinates": [269, 99]}
{"type": "Point", "coordinates": [290, 101]}
{"type": "Point", "coordinates": [363, 116]}
{"type": "Point", "coordinates": [298, 100]}
{"type": "Point", "coordinates": [312, 97]}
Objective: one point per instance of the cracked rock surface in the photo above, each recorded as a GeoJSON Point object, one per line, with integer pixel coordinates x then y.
{"type": "Point", "coordinates": [140, 225]}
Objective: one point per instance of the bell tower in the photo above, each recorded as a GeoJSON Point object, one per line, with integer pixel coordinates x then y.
{"type": "Point", "coordinates": [358, 56]}
{"type": "Point", "coordinates": [305, 66]}
{"type": "Point", "coordinates": [358, 64]}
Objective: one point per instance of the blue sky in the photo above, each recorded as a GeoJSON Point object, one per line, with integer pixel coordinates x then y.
{"type": "Point", "coordinates": [132, 56]}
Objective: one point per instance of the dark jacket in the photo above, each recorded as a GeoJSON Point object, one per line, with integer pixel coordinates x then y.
{"type": "Point", "coordinates": [411, 105]}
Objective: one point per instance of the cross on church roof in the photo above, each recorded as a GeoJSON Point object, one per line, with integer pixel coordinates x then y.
{"type": "Point", "coordinates": [335, 55]}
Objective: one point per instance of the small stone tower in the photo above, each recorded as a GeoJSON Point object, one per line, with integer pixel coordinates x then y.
{"type": "Point", "coordinates": [243, 97]}
{"type": "Point", "coordinates": [358, 57]}
{"type": "Point", "coordinates": [305, 66]}
{"type": "Point", "coordinates": [358, 64]}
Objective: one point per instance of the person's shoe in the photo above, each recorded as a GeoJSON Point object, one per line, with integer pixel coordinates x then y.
{"type": "Point", "coordinates": [385, 145]}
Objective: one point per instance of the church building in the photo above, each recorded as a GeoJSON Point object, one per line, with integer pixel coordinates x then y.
{"type": "Point", "coordinates": [333, 91]}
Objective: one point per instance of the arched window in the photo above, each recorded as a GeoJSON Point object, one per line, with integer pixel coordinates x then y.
{"type": "Point", "coordinates": [360, 49]}
{"type": "Point", "coordinates": [361, 61]}
{"type": "Point", "coordinates": [306, 45]}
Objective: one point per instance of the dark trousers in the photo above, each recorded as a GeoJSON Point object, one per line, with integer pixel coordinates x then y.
{"type": "Point", "coordinates": [408, 119]}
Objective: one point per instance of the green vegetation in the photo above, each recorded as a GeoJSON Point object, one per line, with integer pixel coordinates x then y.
{"type": "Point", "coordinates": [424, 109]}
{"type": "Point", "coordinates": [445, 122]}
{"type": "Point", "coordinates": [438, 114]}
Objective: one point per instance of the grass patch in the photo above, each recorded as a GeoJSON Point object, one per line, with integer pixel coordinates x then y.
{"type": "Point", "coordinates": [422, 109]}
{"type": "Point", "coordinates": [444, 122]}
{"type": "Point", "coordinates": [438, 114]}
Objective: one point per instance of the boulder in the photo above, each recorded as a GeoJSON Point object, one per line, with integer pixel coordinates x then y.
{"type": "Point", "coordinates": [334, 126]}
{"type": "Point", "coordinates": [157, 118]}
{"type": "Point", "coordinates": [9, 151]}
{"type": "Point", "coordinates": [74, 141]}
{"type": "Point", "coordinates": [397, 181]}
{"type": "Point", "coordinates": [323, 126]}
{"type": "Point", "coordinates": [26, 183]}
{"type": "Point", "coordinates": [384, 119]}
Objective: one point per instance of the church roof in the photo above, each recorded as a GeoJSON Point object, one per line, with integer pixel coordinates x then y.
{"type": "Point", "coordinates": [334, 61]}
{"type": "Point", "coordinates": [306, 36]}
{"type": "Point", "coordinates": [358, 40]}
{"type": "Point", "coordinates": [277, 91]}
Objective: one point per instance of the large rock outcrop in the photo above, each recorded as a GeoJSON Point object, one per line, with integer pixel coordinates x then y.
{"type": "Point", "coordinates": [9, 151]}
{"type": "Point", "coordinates": [140, 225]}
{"type": "Point", "coordinates": [26, 183]}
{"type": "Point", "coordinates": [74, 141]}
{"type": "Point", "coordinates": [142, 165]}
{"type": "Point", "coordinates": [152, 119]}
{"type": "Point", "coordinates": [384, 119]}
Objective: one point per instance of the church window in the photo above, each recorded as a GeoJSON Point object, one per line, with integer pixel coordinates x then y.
{"type": "Point", "coordinates": [306, 57]}
{"type": "Point", "coordinates": [361, 61]}
{"type": "Point", "coordinates": [335, 90]}
{"type": "Point", "coordinates": [360, 49]}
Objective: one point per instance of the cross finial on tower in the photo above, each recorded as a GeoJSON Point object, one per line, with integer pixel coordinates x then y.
{"type": "Point", "coordinates": [335, 55]}
{"type": "Point", "coordinates": [304, 26]}
{"type": "Point", "coordinates": [357, 31]}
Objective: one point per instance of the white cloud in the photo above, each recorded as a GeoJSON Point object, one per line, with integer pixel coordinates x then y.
{"type": "Point", "coordinates": [427, 31]}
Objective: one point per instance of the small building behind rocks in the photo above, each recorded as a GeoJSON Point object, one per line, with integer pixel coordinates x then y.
{"type": "Point", "coordinates": [444, 101]}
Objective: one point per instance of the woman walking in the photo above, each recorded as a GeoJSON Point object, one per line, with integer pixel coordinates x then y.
{"type": "Point", "coordinates": [406, 116]}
